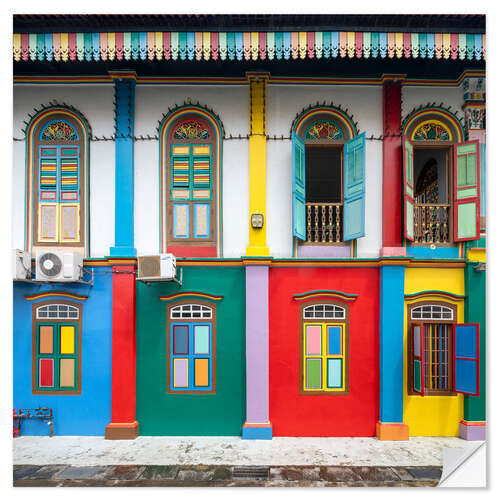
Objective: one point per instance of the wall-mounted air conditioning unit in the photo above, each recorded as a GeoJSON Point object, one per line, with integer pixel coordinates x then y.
{"type": "Point", "coordinates": [21, 265]}
{"type": "Point", "coordinates": [157, 267]}
{"type": "Point", "coordinates": [57, 265]}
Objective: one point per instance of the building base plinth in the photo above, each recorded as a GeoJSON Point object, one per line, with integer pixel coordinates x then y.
{"type": "Point", "coordinates": [392, 432]}
{"type": "Point", "coordinates": [122, 431]}
{"type": "Point", "coordinates": [472, 431]}
{"type": "Point", "coordinates": [257, 431]}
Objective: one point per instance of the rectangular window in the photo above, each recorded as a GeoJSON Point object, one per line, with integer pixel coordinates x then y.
{"type": "Point", "coordinates": [59, 194]}
{"type": "Point", "coordinates": [191, 358]}
{"type": "Point", "coordinates": [56, 356]}
{"type": "Point", "coordinates": [324, 363]}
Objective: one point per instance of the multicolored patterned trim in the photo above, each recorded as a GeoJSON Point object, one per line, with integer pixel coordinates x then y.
{"type": "Point", "coordinates": [31, 132]}
{"type": "Point", "coordinates": [44, 295]}
{"type": "Point", "coordinates": [325, 294]}
{"type": "Point", "coordinates": [190, 295]}
{"type": "Point", "coordinates": [163, 131]}
{"type": "Point", "coordinates": [449, 122]}
{"type": "Point", "coordinates": [336, 114]}
{"type": "Point", "coordinates": [157, 45]}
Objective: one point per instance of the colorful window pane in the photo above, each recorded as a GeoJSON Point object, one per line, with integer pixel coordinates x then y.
{"type": "Point", "coordinates": [191, 356]}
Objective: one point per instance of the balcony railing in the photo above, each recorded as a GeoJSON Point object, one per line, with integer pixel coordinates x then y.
{"type": "Point", "coordinates": [431, 223]}
{"type": "Point", "coordinates": [324, 222]}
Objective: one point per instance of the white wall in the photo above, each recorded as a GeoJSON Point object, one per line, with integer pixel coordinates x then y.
{"type": "Point", "coordinates": [414, 97]}
{"type": "Point", "coordinates": [284, 102]}
{"type": "Point", "coordinates": [96, 103]}
{"type": "Point", "coordinates": [230, 103]}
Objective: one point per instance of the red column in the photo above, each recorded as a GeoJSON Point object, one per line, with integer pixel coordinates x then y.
{"type": "Point", "coordinates": [392, 169]}
{"type": "Point", "coordinates": [123, 424]}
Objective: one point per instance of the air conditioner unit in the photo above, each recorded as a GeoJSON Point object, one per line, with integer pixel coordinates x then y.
{"type": "Point", "coordinates": [57, 265]}
{"type": "Point", "coordinates": [157, 267]}
{"type": "Point", "coordinates": [21, 265]}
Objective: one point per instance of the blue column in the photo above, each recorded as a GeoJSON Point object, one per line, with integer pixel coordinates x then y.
{"type": "Point", "coordinates": [124, 164]}
{"type": "Point", "coordinates": [391, 426]}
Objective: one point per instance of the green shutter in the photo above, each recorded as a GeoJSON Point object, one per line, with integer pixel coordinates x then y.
{"type": "Point", "coordinates": [466, 191]}
{"type": "Point", "coordinates": [409, 201]}
{"type": "Point", "coordinates": [418, 355]}
{"type": "Point", "coordinates": [354, 188]}
{"type": "Point", "coordinates": [299, 187]}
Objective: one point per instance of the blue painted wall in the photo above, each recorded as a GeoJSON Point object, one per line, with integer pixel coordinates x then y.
{"type": "Point", "coordinates": [392, 282]}
{"type": "Point", "coordinates": [428, 253]}
{"type": "Point", "coordinates": [86, 414]}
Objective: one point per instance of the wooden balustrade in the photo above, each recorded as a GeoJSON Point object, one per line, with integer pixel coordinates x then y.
{"type": "Point", "coordinates": [431, 223]}
{"type": "Point", "coordinates": [324, 222]}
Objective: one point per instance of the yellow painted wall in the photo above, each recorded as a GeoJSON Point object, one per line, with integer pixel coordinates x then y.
{"type": "Point", "coordinates": [432, 415]}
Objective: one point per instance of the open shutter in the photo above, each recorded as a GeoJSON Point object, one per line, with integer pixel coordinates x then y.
{"type": "Point", "coordinates": [299, 187]}
{"type": "Point", "coordinates": [466, 191]}
{"type": "Point", "coordinates": [409, 197]}
{"type": "Point", "coordinates": [418, 358]}
{"type": "Point", "coordinates": [466, 358]}
{"type": "Point", "coordinates": [354, 188]}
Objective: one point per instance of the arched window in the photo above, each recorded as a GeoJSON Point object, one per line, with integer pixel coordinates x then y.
{"type": "Point", "coordinates": [328, 158]}
{"type": "Point", "coordinates": [324, 348]}
{"type": "Point", "coordinates": [57, 348]}
{"type": "Point", "coordinates": [191, 348]}
{"type": "Point", "coordinates": [190, 177]}
{"type": "Point", "coordinates": [442, 206]}
{"type": "Point", "coordinates": [57, 181]}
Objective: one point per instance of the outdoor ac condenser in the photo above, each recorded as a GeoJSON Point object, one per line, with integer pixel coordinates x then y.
{"type": "Point", "coordinates": [21, 265]}
{"type": "Point", "coordinates": [56, 265]}
{"type": "Point", "coordinates": [157, 267]}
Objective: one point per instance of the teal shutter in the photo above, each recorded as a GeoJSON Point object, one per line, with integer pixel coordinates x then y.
{"type": "Point", "coordinates": [466, 358]}
{"type": "Point", "coordinates": [408, 190]}
{"type": "Point", "coordinates": [354, 187]}
{"type": "Point", "coordinates": [299, 187]}
{"type": "Point", "coordinates": [418, 358]}
{"type": "Point", "coordinates": [466, 191]}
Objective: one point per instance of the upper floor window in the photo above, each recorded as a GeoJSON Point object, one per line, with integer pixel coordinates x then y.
{"type": "Point", "coordinates": [190, 178]}
{"type": "Point", "coordinates": [441, 180]}
{"type": "Point", "coordinates": [57, 194]}
{"type": "Point", "coordinates": [328, 178]}
{"type": "Point", "coordinates": [57, 346]}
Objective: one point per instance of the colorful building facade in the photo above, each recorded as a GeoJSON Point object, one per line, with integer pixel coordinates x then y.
{"type": "Point", "coordinates": [322, 192]}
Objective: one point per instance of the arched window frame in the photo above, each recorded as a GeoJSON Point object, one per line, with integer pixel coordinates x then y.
{"type": "Point", "coordinates": [343, 221]}
{"type": "Point", "coordinates": [193, 227]}
{"type": "Point", "coordinates": [191, 355]}
{"type": "Point", "coordinates": [431, 321]}
{"type": "Point", "coordinates": [35, 143]}
{"type": "Point", "coordinates": [56, 354]}
{"type": "Point", "coordinates": [457, 220]}
{"type": "Point", "coordinates": [325, 339]}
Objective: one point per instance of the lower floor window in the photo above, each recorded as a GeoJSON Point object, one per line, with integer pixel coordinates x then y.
{"type": "Point", "coordinates": [324, 347]}
{"type": "Point", "coordinates": [191, 350]}
{"type": "Point", "coordinates": [57, 345]}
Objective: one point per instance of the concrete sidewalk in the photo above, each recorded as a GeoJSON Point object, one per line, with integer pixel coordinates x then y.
{"type": "Point", "coordinates": [233, 451]}
{"type": "Point", "coordinates": [230, 461]}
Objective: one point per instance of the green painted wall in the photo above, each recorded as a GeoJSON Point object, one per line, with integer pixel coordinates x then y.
{"type": "Point", "coordinates": [475, 312]}
{"type": "Point", "coordinates": [220, 414]}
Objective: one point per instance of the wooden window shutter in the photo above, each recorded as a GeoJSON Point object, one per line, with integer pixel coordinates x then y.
{"type": "Point", "coordinates": [408, 189]}
{"type": "Point", "coordinates": [466, 358]}
{"type": "Point", "coordinates": [299, 187]}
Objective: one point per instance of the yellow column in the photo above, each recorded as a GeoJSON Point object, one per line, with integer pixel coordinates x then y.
{"type": "Point", "coordinates": [257, 162]}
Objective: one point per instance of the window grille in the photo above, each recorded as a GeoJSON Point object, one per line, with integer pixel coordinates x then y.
{"type": "Point", "coordinates": [57, 311]}
{"type": "Point", "coordinates": [324, 311]}
{"type": "Point", "coordinates": [432, 312]}
{"type": "Point", "coordinates": [191, 311]}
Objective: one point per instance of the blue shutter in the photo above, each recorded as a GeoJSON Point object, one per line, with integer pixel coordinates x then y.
{"type": "Point", "coordinates": [299, 187]}
{"type": "Point", "coordinates": [466, 358]}
{"type": "Point", "coordinates": [354, 187]}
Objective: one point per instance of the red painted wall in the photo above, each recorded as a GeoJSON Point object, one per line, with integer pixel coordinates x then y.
{"type": "Point", "coordinates": [354, 414]}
